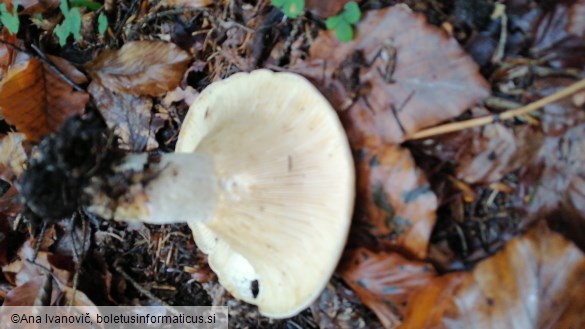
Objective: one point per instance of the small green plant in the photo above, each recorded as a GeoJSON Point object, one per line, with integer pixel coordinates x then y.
{"type": "Point", "coordinates": [71, 24]}
{"type": "Point", "coordinates": [9, 20]}
{"type": "Point", "coordinates": [291, 8]}
{"type": "Point", "coordinates": [343, 23]}
{"type": "Point", "coordinates": [102, 23]}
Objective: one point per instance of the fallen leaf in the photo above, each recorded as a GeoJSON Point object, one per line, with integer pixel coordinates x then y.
{"type": "Point", "coordinates": [32, 7]}
{"type": "Point", "coordinates": [187, 95]}
{"type": "Point", "coordinates": [395, 206]}
{"type": "Point", "coordinates": [12, 153]}
{"type": "Point", "coordinates": [4, 240]}
{"type": "Point", "coordinates": [129, 116]}
{"type": "Point", "coordinates": [555, 178]}
{"type": "Point", "coordinates": [36, 100]}
{"type": "Point", "coordinates": [187, 3]}
{"type": "Point", "coordinates": [398, 75]}
{"type": "Point", "coordinates": [339, 308]}
{"type": "Point", "coordinates": [325, 9]}
{"type": "Point", "coordinates": [558, 35]}
{"type": "Point", "coordinates": [576, 24]}
{"type": "Point", "coordinates": [490, 155]}
{"type": "Point", "coordinates": [536, 281]}
{"type": "Point", "coordinates": [30, 293]}
{"type": "Point", "coordinates": [141, 68]}
{"type": "Point", "coordinates": [384, 281]}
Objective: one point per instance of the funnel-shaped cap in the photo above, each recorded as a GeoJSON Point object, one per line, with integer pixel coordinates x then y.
{"type": "Point", "coordinates": [286, 187]}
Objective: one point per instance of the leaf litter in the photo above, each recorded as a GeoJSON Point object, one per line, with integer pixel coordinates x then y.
{"type": "Point", "coordinates": [439, 223]}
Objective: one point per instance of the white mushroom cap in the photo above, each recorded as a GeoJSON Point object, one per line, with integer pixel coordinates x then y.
{"type": "Point", "coordinates": [286, 187]}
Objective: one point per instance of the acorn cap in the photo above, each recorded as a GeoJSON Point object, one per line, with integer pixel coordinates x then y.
{"type": "Point", "coordinates": [286, 187]}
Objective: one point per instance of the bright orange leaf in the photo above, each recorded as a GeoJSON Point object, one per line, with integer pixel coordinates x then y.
{"type": "Point", "coordinates": [536, 281]}
{"type": "Point", "coordinates": [36, 100]}
{"type": "Point", "coordinates": [384, 281]}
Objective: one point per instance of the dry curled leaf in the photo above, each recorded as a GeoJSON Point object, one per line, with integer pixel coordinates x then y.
{"type": "Point", "coordinates": [395, 205]}
{"type": "Point", "coordinates": [536, 281]}
{"type": "Point", "coordinates": [129, 116]}
{"type": "Point", "coordinates": [37, 100]}
{"type": "Point", "coordinates": [385, 281]}
{"type": "Point", "coordinates": [12, 153]}
{"type": "Point", "coordinates": [398, 75]}
{"type": "Point", "coordinates": [141, 68]}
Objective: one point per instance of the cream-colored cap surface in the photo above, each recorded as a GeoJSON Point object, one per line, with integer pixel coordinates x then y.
{"type": "Point", "coordinates": [286, 187]}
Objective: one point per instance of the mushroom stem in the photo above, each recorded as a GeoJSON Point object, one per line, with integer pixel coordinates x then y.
{"type": "Point", "coordinates": [165, 189]}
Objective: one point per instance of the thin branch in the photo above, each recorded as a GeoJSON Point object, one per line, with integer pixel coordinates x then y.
{"type": "Point", "coordinates": [41, 57]}
{"type": "Point", "coordinates": [54, 68]}
{"type": "Point", "coordinates": [485, 120]}
{"type": "Point", "coordinates": [143, 290]}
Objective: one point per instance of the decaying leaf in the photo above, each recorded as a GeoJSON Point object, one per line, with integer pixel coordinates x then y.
{"type": "Point", "coordinates": [36, 100]}
{"type": "Point", "coordinates": [188, 3]}
{"type": "Point", "coordinates": [129, 116]}
{"type": "Point", "coordinates": [385, 281]}
{"type": "Point", "coordinates": [325, 8]}
{"type": "Point", "coordinates": [339, 308]}
{"type": "Point", "coordinates": [12, 153]}
{"type": "Point", "coordinates": [395, 206]}
{"type": "Point", "coordinates": [536, 281]}
{"type": "Point", "coordinates": [141, 68]}
{"type": "Point", "coordinates": [558, 35]}
{"type": "Point", "coordinates": [399, 75]}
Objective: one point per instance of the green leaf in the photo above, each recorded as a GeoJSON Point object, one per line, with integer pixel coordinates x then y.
{"type": "Point", "coordinates": [278, 3]}
{"type": "Point", "coordinates": [86, 3]}
{"type": "Point", "coordinates": [344, 32]}
{"type": "Point", "coordinates": [75, 23]}
{"type": "Point", "coordinates": [294, 8]}
{"type": "Point", "coordinates": [62, 32]}
{"type": "Point", "coordinates": [71, 24]}
{"type": "Point", "coordinates": [351, 12]}
{"type": "Point", "coordinates": [102, 23]}
{"type": "Point", "coordinates": [10, 21]}
{"type": "Point", "coordinates": [64, 6]}
{"type": "Point", "coordinates": [332, 22]}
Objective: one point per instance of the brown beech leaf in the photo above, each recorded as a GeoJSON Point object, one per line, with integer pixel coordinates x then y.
{"type": "Point", "coordinates": [36, 100]}
{"type": "Point", "coordinates": [535, 282]}
{"type": "Point", "coordinates": [130, 116]}
{"type": "Point", "coordinates": [395, 207]}
{"type": "Point", "coordinates": [326, 8]}
{"type": "Point", "coordinates": [141, 68]}
{"type": "Point", "coordinates": [555, 177]}
{"type": "Point", "coordinates": [398, 75]}
{"type": "Point", "coordinates": [558, 35]}
{"type": "Point", "coordinates": [384, 281]}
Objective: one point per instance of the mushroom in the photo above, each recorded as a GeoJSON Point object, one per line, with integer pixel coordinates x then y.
{"type": "Point", "coordinates": [264, 176]}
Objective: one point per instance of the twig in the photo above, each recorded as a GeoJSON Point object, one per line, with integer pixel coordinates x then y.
{"type": "Point", "coordinates": [39, 242]}
{"type": "Point", "coordinates": [78, 257]}
{"type": "Point", "coordinates": [171, 12]}
{"type": "Point", "coordinates": [143, 290]}
{"type": "Point", "coordinates": [485, 120]}
{"type": "Point", "coordinates": [41, 57]}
